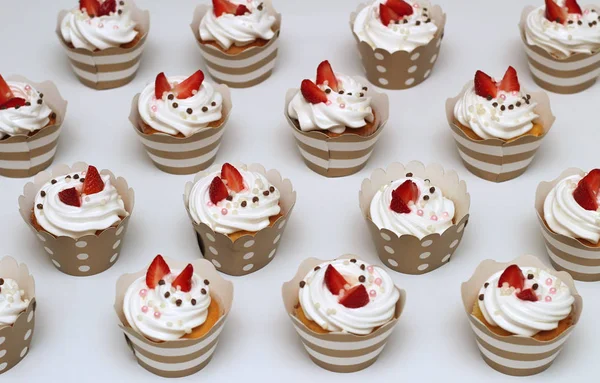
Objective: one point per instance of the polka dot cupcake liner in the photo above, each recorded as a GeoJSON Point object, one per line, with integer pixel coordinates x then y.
{"type": "Point", "coordinates": [88, 255]}
{"type": "Point", "coordinates": [407, 253]}
{"type": "Point", "coordinates": [15, 340]}
{"type": "Point", "coordinates": [515, 355]}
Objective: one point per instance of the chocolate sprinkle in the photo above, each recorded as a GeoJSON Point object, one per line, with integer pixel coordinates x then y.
{"type": "Point", "coordinates": [255, 199]}
{"type": "Point", "coordinates": [266, 193]}
{"type": "Point", "coordinates": [432, 189]}
{"type": "Point", "coordinates": [189, 111]}
{"type": "Point", "coordinates": [317, 268]}
{"type": "Point", "coordinates": [193, 302]}
{"type": "Point", "coordinates": [426, 197]}
{"type": "Point", "coordinates": [405, 21]}
{"type": "Point", "coordinates": [120, 11]}
{"type": "Point", "coordinates": [53, 182]}
{"type": "Point", "coordinates": [206, 282]}
{"type": "Point", "coordinates": [327, 90]}
{"type": "Point", "coordinates": [76, 176]}
{"type": "Point", "coordinates": [203, 291]}
{"type": "Point", "coordinates": [204, 109]}
{"type": "Point", "coordinates": [480, 297]}
{"type": "Point", "coordinates": [353, 260]}
{"type": "Point", "coordinates": [43, 193]}
{"type": "Point", "coordinates": [260, 7]}
{"type": "Point", "coordinates": [362, 279]}
{"type": "Point", "coordinates": [39, 101]}
{"type": "Point", "coordinates": [349, 93]}
{"type": "Point", "coordinates": [170, 97]}
{"type": "Point", "coordinates": [41, 95]}
{"type": "Point", "coordinates": [503, 108]}
{"type": "Point", "coordinates": [365, 88]}
{"type": "Point", "coordinates": [579, 22]}
{"type": "Point", "coordinates": [418, 22]}
{"type": "Point", "coordinates": [82, 179]}
{"type": "Point", "coordinates": [341, 92]}
{"type": "Point", "coordinates": [27, 103]}
{"type": "Point", "coordinates": [1, 281]}
{"type": "Point", "coordinates": [409, 174]}
{"type": "Point", "coordinates": [40, 206]}
{"type": "Point", "coordinates": [529, 276]}
{"type": "Point", "coordinates": [178, 302]}
{"type": "Point", "coordinates": [518, 104]}
{"type": "Point", "coordinates": [495, 104]}
{"type": "Point", "coordinates": [229, 198]}
{"type": "Point", "coordinates": [511, 107]}
{"type": "Point", "coordinates": [362, 267]}
{"type": "Point", "coordinates": [361, 94]}
{"type": "Point", "coordinates": [175, 105]}
{"type": "Point", "coordinates": [213, 104]}
{"type": "Point", "coordinates": [535, 286]}
{"type": "Point", "coordinates": [486, 284]}
{"type": "Point", "coordinates": [271, 189]}
{"type": "Point", "coordinates": [302, 284]}
{"type": "Point", "coordinates": [244, 203]}
{"type": "Point", "coordinates": [161, 282]}
{"type": "Point", "coordinates": [489, 98]}
{"type": "Point", "coordinates": [570, 21]}
{"type": "Point", "coordinates": [167, 294]}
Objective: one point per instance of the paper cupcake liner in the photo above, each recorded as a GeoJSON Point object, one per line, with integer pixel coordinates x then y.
{"type": "Point", "coordinates": [112, 67]}
{"type": "Point", "coordinates": [23, 156]}
{"type": "Point", "coordinates": [515, 355]}
{"type": "Point", "coordinates": [343, 155]}
{"type": "Point", "coordinates": [243, 70]}
{"type": "Point", "coordinates": [178, 358]}
{"type": "Point", "coordinates": [15, 339]}
{"type": "Point", "coordinates": [401, 69]}
{"type": "Point", "coordinates": [494, 159]}
{"type": "Point", "coordinates": [570, 75]}
{"type": "Point", "coordinates": [408, 254]}
{"type": "Point", "coordinates": [337, 351]}
{"type": "Point", "coordinates": [87, 255]}
{"type": "Point", "coordinates": [249, 253]}
{"type": "Point", "coordinates": [189, 155]}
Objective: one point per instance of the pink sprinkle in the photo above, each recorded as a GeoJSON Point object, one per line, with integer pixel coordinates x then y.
{"type": "Point", "coordinates": [144, 309]}
{"type": "Point", "coordinates": [143, 293]}
{"type": "Point", "coordinates": [378, 281]}
{"type": "Point", "coordinates": [373, 293]}
{"type": "Point", "coordinates": [548, 298]}
{"type": "Point", "coordinates": [515, 93]}
{"type": "Point", "coordinates": [370, 269]}
{"type": "Point", "coordinates": [342, 106]}
{"type": "Point", "coordinates": [552, 290]}
{"type": "Point", "coordinates": [89, 22]}
{"type": "Point", "coordinates": [445, 214]}
{"type": "Point", "coordinates": [434, 218]}
{"type": "Point", "coordinates": [328, 102]}
{"type": "Point", "coordinates": [420, 213]}
{"type": "Point", "coordinates": [154, 108]}
{"type": "Point", "coordinates": [115, 27]}
{"type": "Point", "coordinates": [156, 314]}
{"type": "Point", "coordinates": [502, 96]}
{"type": "Point", "coordinates": [209, 204]}
{"type": "Point", "coordinates": [548, 281]}
{"type": "Point", "coordinates": [100, 25]}
{"type": "Point", "coordinates": [27, 88]}
{"type": "Point", "coordinates": [416, 5]}
{"type": "Point", "coordinates": [586, 12]}
{"type": "Point", "coordinates": [224, 211]}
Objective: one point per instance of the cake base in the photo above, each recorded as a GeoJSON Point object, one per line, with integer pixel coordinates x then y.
{"type": "Point", "coordinates": [234, 49]}
{"type": "Point", "coordinates": [537, 131]}
{"type": "Point", "coordinates": [214, 313]}
{"type": "Point", "coordinates": [312, 325]}
{"type": "Point", "coordinates": [368, 129]}
{"type": "Point", "coordinates": [147, 129]}
{"type": "Point", "coordinates": [239, 234]}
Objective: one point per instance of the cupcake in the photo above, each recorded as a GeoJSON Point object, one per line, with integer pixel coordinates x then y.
{"type": "Point", "coordinates": [31, 115]}
{"type": "Point", "coordinates": [238, 40]}
{"type": "Point", "coordinates": [498, 126]}
{"type": "Point", "coordinates": [569, 216]}
{"type": "Point", "coordinates": [181, 121]}
{"type": "Point", "coordinates": [239, 214]}
{"type": "Point", "coordinates": [104, 41]}
{"type": "Point", "coordinates": [562, 42]}
{"type": "Point", "coordinates": [344, 310]}
{"type": "Point", "coordinates": [336, 121]}
{"type": "Point", "coordinates": [398, 41]}
{"type": "Point", "coordinates": [17, 312]}
{"type": "Point", "coordinates": [521, 313]}
{"type": "Point", "coordinates": [80, 216]}
{"type": "Point", "coordinates": [172, 315]}
{"type": "Point", "coordinates": [416, 215]}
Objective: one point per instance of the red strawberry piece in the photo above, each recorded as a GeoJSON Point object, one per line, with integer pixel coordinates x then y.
{"type": "Point", "coordinates": [513, 276]}
{"type": "Point", "coordinates": [184, 279]}
{"type": "Point", "coordinates": [5, 93]}
{"type": "Point", "coordinates": [401, 7]}
{"type": "Point", "coordinates": [91, 7]}
{"type": "Point", "coordinates": [510, 81]}
{"type": "Point", "coordinates": [224, 6]}
{"type": "Point", "coordinates": [217, 190]}
{"type": "Point", "coordinates": [527, 295]}
{"type": "Point", "coordinates": [356, 297]}
{"type": "Point", "coordinates": [70, 197]}
{"type": "Point", "coordinates": [407, 192]}
{"type": "Point", "coordinates": [399, 206]}
{"type": "Point", "coordinates": [189, 85]}
{"type": "Point", "coordinates": [161, 86]}
{"type": "Point", "coordinates": [93, 182]}
{"type": "Point", "coordinates": [586, 193]}
{"type": "Point", "coordinates": [325, 76]}
{"type": "Point", "coordinates": [387, 15]}
{"type": "Point", "coordinates": [573, 7]}
{"type": "Point", "coordinates": [555, 12]}
{"type": "Point", "coordinates": [13, 102]}
{"type": "Point", "coordinates": [157, 271]}
{"type": "Point", "coordinates": [312, 93]}
{"type": "Point", "coordinates": [107, 7]}
{"type": "Point", "coordinates": [241, 10]}
{"type": "Point", "coordinates": [334, 280]}
{"type": "Point", "coordinates": [234, 179]}
{"type": "Point", "coordinates": [485, 85]}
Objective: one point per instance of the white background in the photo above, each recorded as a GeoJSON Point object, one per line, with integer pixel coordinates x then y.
{"type": "Point", "coordinates": [77, 338]}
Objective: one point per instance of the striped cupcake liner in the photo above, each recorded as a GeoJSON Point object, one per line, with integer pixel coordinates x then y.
{"type": "Point", "coordinates": [184, 357]}
{"type": "Point", "coordinates": [108, 68]}
{"type": "Point", "coordinates": [515, 355]}
{"type": "Point", "coordinates": [248, 68]}
{"type": "Point", "coordinates": [188, 155]}
{"type": "Point", "coordinates": [337, 351]}
{"type": "Point", "coordinates": [570, 75]}
{"type": "Point", "coordinates": [494, 159]}
{"type": "Point", "coordinates": [343, 155]}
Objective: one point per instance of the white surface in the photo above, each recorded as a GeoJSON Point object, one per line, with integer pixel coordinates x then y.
{"type": "Point", "coordinates": [77, 338]}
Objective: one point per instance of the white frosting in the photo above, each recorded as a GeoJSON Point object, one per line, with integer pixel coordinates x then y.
{"type": "Point", "coordinates": [502, 308]}
{"type": "Point", "coordinates": [227, 217]}
{"type": "Point", "coordinates": [322, 307]}
{"type": "Point", "coordinates": [12, 302]}
{"type": "Point", "coordinates": [396, 37]}
{"type": "Point", "coordinates": [98, 33]}
{"type": "Point", "coordinates": [162, 116]}
{"type": "Point", "coordinates": [561, 40]}
{"type": "Point", "coordinates": [565, 216]}
{"type": "Point", "coordinates": [98, 211]}
{"type": "Point", "coordinates": [228, 29]}
{"type": "Point", "coordinates": [159, 318]}
{"type": "Point", "coordinates": [340, 112]}
{"type": "Point", "coordinates": [26, 119]}
{"type": "Point", "coordinates": [433, 215]}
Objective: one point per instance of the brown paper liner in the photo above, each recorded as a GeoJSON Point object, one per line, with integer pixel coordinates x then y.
{"type": "Point", "coordinates": [342, 155]}
{"type": "Point", "coordinates": [243, 70]}
{"type": "Point", "coordinates": [112, 67]}
{"type": "Point", "coordinates": [183, 357]}
{"type": "Point", "coordinates": [560, 75]}
{"type": "Point", "coordinates": [87, 255]}
{"type": "Point", "coordinates": [515, 355]}
{"type": "Point", "coordinates": [401, 69]}
{"type": "Point", "coordinates": [408, 254]}
{"type": "Point", "coordinates": [494, 159]}
{"type": "Point", "coordinates": [188, 155]}
{"type": "Point", "coordinates": [337, 351]}
{"type": "Point", "coordinates": [16, 339]}
{"type": "Point", "coordinates": [23, 156]}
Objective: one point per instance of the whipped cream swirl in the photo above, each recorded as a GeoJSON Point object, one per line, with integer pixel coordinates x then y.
{"type": "Point", "coordinates": [27, 118]}
{"type": "Point", "coordinates": [501, 307]}
{"type": "Point", "coordinates": [228, 29]}
{"type": "Point", "coordinates": [12, 301]}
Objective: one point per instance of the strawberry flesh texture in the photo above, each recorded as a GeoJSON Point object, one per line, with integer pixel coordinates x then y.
{"type": "Point", "coordinates": [400, 7]}
{"type": "Point", "coordinates": [407, 192]}
{"type": "Point", "coordinates": [70, 197]}
{"type": "Point", "coordinates": [513, 276]}
{"type": "Point", "coordinates": [586, 192]}
{"type": "Point", "coordinates": [355, 298]}
{"type": "Point", "coordinates": [5, 93]}
{"type": "Point", "coordinates": [93, 182]}
{"type": "Point", "coordinates": [485, 85]}
{"type": "Point", "coordinates": [312, 93]}
{"type": "Point", "coordinates": [224, 6]}
{"type": "Point", "coordinates": [161, 86]}
{"type": "Point", "coordinates": [555, 12]}
{"type": "Point", "coordinates": [398, 206]}
{"type": "Point", "coordinates": [334, 280]}
{"type": "Point", "coordinates": [527, 295]}
{"type": "Point", "coordinates": [387, 15]}
{"type": "Point", "coordinates": [157, 270]}
{"type": "Point", "coordinates": [184, 279]}
{"type": "Point", "coordinates": [234, 179]}
{"type": "Point", "coordinates": [13, 103]}
{"type": "Point", "coordinates": [217, 191]}
{"type": "Point", "coordinates": [91, 7]}
{"type": "Point", "coordinates": [510, 81]}
{"type": "Point", "coordinates": [188, 86]}
{"type": "Point", "coordinates": [573, 7]}
{"type": "Point", "coordinates": [325, 75]}
{"type": "Point", "coordinates": [107, 7]}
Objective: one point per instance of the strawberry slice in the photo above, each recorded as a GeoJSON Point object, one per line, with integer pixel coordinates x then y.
{"type": "Point", "coordinates": [555, 12]}
{"type": "Point", "coordinates": [485, 85]}
{"type": "Point", "coordinates": [184, 279]}
{"type": "Point", "coordinates": [573, 7]}
{"type": "Point", "coordinates": [325, 76]}
{"type": "Point", "coordinates": [586, 193]}
{"type": "Point", "coordinates": [334, 280]}
{"type": "Point", "coordinates": [224, 6]}
{"type": "Point", "coordinates": [217, 190]}
{"type": "Point", "coordinates": [5, 93]}
{"type": "Point", "coordinates": [91, 7]}
{"type": "Point", "coordinates": [161, 86]}
{"type": "Point", "coordinates": [387, 15]}
{"type": "Point", "coordinates": [510, 81]}
{"type": "Point", "coordinates": [527, 295]}
{"type": "Point", "coordinates": [312, 93]}
{"type": "Point", "coordinates": [13, 102]}
{"type": "Point", "coordinates": [513, 276]}
{"type": "Point", "coordinates": [401, 7]}
{"type": "Point", "coordinates": [234, 179]}
{"type": "Point", "coordinates": [93, 182]}
{"type": "Point", "coordinates": [356, 297]}
{"type": "Point", "coordinates": [70, 197]}
{"type": "Point", "coordinates": [407, 192]}
{"type": "Point", "coordinates": [190, 85]}
{"type": "Point", "coordinates": [157, 271]}
{"type": "Point", "coordinates": [398, 206]}
{"type": "Point", "coordinates": [107, 7]}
